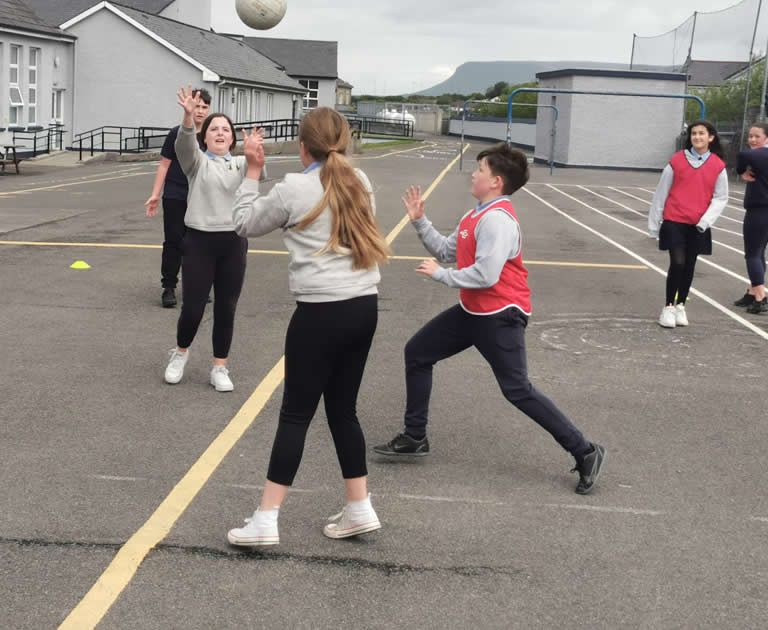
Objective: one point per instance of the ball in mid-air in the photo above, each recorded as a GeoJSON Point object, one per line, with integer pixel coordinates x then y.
{"type": "Point", "coordinates": [261, 14]}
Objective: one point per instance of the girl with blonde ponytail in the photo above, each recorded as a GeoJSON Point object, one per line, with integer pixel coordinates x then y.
{"type": "Point", "coordinates": [327, 214]}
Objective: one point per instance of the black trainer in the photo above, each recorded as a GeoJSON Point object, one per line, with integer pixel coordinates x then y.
{"type": "Point", "coordinates": [590, 467]}
{"type": "Point", "coordinates": [745, 300]}
{"type": "Point", "coordinates": [403, 445]}
{"type": "Point", "coordinates": [758, 308]}
{"type": "Point", "coordinates": [168, 298]}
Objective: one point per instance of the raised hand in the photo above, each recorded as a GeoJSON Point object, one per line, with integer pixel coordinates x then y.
{"type": "Point", "coordinates": [413, 203]}
{"type": "Point", "coordinates": [188, 99]}
{"type": "Point", "coordinates": [253, 147]}
{"type": "Point", "coordinates": [428, 267]}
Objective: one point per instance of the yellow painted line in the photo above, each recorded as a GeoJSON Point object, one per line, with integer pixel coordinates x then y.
{"type": "Point", "coordinates": [88, 181]}
{"type": "Point", "coordinates": [45, 244]}
{"type": "Point", "coordinates": [121, 570]}
{"type": "Point", "coordinates": [404, 221]}
{"type": "Point", "coordinates": [378, 157]}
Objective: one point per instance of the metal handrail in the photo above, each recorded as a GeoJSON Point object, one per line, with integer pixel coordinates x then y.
{"type": "Point", "coordinates": [53, 136]}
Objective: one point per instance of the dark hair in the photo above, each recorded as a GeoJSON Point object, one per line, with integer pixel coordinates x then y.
{"type": "Point", "coordinates": [207, 123]}
{"type": "Point", "coordinates": [714, 146]}
{"type": "Point", "coordinates": [509, 164]}
{"type": "Point", "coordinates": [205, 95]}
{"type": "Point", "coordinates": [761, 125]}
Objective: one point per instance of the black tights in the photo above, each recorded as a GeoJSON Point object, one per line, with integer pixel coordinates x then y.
{"type": "Point", "coordinates": [682, 262]}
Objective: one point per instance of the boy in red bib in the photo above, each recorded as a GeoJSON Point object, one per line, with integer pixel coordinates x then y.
{"type": "Point", "coordinates": [492, 315]}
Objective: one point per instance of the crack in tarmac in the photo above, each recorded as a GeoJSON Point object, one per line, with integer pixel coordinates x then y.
{"type": "Point", "coordinates": [387, 568]}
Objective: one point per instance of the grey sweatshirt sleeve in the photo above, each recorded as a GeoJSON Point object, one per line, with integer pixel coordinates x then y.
{"type": "Point", "coordinates": [441, 247]}
{"type": "Point", "coordinates": [656, 211]}
{"type": "Point", "coordinates": [717, 205]}
{"type": "Point", "coordinates": [187, 151]}
{"type": "Point", "coordinates": [254, 214]}
{"type": "Point", "coordinates": [498, 240]}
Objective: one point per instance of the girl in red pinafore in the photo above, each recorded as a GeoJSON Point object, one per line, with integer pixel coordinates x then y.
{"type": "Point", "coordinates": [691, 194]}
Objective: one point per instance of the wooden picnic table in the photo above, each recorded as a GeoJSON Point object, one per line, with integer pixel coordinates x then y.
{"type": "Point", "coordinates": [9, 148]}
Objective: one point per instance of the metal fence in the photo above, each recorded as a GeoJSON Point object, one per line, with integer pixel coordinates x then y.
{"type": "Point", "coordinates": [36, 142]}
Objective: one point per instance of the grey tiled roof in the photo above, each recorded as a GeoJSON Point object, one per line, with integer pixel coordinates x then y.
{"type": "Point", "coordinates": [18, 14]}
{"type": "Point", "coordinates": [226, 57]}
{"type": "Point", "coordinates": [56, 12]}
{"type": "Point", "coordinates": [300, 57]}
{"type": "Point", "coordinates": [713, 72]}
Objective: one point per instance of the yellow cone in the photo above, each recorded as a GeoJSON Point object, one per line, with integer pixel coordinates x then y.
{"type": "Point", "coordinates": [80, 264]}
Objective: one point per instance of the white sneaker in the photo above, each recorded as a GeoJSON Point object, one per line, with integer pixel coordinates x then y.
{"type": "Point", "coordinates": [681, 319]}
{"type": "Point", "coordinates": [220, 379]}
{"type": "Point", "coordinates": [667, 318]}
{"type": "Point", "coordinates": [175, 369]}
{"type": "Point", "coordinates": [357, 517]}
{"type": "Point", "coordinates": [260, 530]}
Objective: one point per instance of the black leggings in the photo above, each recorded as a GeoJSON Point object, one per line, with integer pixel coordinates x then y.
{"type": "Point", "coordinates": [755, 240]}
{"type": "Point", "coordinates": [500, 338]}
{"type": "Point", "coordinates": [326, 348]}
{"type": "Point", "coordinates": [682, 262]}
{"type": "Point", "coordinates": [174, 229]}
{"type": "Point", "coordinates": [211, 259]}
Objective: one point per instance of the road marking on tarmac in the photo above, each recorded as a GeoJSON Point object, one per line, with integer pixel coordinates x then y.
{"type": "Point", "coordinates": [706, 298]}
{"type": "Point", "coordinates": [103, 594]}
{"type": "Point", "coordinates": [77, 183]}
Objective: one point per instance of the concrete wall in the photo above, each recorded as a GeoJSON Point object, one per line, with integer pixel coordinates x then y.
{"type": "Point", "coordinates": [139, 89]}
{"type": "Point", "coordinates": [611, 131]}
{"type": "Point", "coordinates": [194, 12]}
{"type": "Point", "coordinates": [523, 134]}
{"type": "Point", "coordinates": [55, 71]}
{"type": "Point", "coordinates": [428, 122]}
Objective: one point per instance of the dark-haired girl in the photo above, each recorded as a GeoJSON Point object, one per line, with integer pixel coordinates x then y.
{"type": "Point", "coordinates": [691, 194]}
{"type": "Point", "coordinates": [752, 165]}
{"type": "Point", "coordinates": [214, 255]}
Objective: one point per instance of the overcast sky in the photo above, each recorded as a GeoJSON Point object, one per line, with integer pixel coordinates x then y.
{"type": "Point", "coordinates": [396, 46]}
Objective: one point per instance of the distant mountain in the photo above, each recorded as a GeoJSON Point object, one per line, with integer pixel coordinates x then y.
{"type": "Point", "coordinates": [477, 76]}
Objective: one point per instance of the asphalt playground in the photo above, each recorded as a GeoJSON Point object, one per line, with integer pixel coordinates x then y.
{"type": "Point", "coordinates": [118, 489]}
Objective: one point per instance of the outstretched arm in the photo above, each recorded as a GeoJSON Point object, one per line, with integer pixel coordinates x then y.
{"type": "Point", "coordinates": [157, 188]}
{"type": "Point", "coordinates": [187, 150]}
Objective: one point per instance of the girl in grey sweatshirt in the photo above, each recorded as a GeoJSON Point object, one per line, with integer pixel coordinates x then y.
{"type": "Point", "coordinates": [327, 217]}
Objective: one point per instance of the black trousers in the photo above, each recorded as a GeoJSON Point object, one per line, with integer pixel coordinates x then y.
{"type": "Point", "coordinates": [211, 259]}
{"type": "Point", "coordinates": [755, 232]}
{"type": "Point", "coordinates": [500, 338]}
{"type": "Point", "coordinates": [326, 348]}
{"type": "Point", "coordinates": [173, 229]}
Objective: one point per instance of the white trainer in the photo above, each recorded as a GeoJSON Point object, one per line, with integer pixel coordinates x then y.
{"type": "Point", "coordinates": [260, 530]}
{"type": "Point", "coordinates": [667, 318]}
{"type": "Point", "coordinates": [220, 379]}
{"type": "Point", "coordinates": [176, 363]}
{"type": "Point", "coordinates": [357, 517]}
{"type": "Point", "coordinates": [681, 319]}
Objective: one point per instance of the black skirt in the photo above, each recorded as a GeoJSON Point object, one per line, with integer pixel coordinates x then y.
{"type": "Point", "coordinates": [673, 235]}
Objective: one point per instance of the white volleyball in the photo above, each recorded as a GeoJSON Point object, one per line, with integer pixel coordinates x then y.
{"type": "Point", "coordinates": [261, 14]}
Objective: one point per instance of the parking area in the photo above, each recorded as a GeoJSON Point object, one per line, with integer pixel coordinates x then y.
{"type": "Point", "coordinates": [119, 489]}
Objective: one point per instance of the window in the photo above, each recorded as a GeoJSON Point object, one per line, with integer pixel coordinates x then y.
{"type": "Point", "coordinates": [310, 98]}
{"type": "Point", "coordinates": [16, 110]}
{"type": "Point", "coordinates": [255, 105]}
{"type": "Point", "coordinates": [34, 57]}
{"type": "Point", "coordinates": [241, 105]}
{"type": "Point", "coordinates": [224, 102]}
{"type": "Point", "coordinates": [57, 112]}
{"type": "Point", "coordinates": [14, 65]}
{"type": "Point", "coordinates": [270, 104]}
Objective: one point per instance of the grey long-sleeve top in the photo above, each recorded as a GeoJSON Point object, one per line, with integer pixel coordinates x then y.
{"type": "Point", "coordinates": [498, 240]}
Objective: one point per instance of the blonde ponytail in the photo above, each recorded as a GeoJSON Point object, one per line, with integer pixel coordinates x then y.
{"type": "Point", "coordinates": [325, 134]}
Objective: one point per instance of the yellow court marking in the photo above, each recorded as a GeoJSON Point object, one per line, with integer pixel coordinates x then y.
{"type": "Point", "coordinates": [275, 252]}
{"type": "Point", "coordinates": [92, 608]}
{"type": "Point", "coordinates": [78, 183]}
{"type": "Point", "coordinates": [121, 570]}
{"type": "Point", "coordinates": [404, 221]}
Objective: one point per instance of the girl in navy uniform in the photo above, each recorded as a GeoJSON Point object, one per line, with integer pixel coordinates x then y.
{"type": "Point", "coordinates": [691, 194]}
{"type": "Point", "coordinates": [752, 165]}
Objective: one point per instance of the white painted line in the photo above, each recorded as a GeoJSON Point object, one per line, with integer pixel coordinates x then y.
{"type": "Point", "coordinates": [726, 205]}
{"type": "Point", "coordinates": [722, 216]}
{"type": "Point", "coordinates": [248, 486]}
{"type": "Point", "coordinates": [738, 251]}
{"type": "Point", "coordinates": [448, 499]}
{"type": "Point", "coordinates": [706, 298]}
{"type": "Point", "coordinates": [114, 478]}
{"type": "Point", "coordinates": [761, 519]}
{"type": "Point", "coordinates": [598, 508]}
